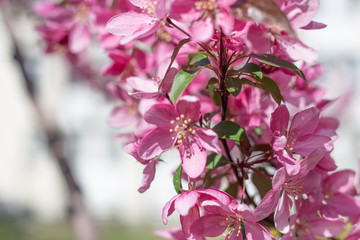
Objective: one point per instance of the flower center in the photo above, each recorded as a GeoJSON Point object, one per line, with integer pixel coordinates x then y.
{"type": "Point", "coordinates": [205, 5]}
{"type": "Point", "coordinates": [234, 223]}
{"type": "Point", "coordinates": [293, 189]}
{"type": "Point", "coordinates": [150, 6]}
{"type": "Point", "coordinates": [82, 11]}
{"type": "Point", "coordinates": [182, 127]}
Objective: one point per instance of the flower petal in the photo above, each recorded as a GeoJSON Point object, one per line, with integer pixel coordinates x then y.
{"type": "Point", "coordinates": [267, 204]}
{"type": "Point", "coordinates": [161, 114]}
{"type": "Point", "coordinates": [156, 142]}
{"type": "Point", "coordinates": [208, 226]}
{"type": "Point", "coordinates": [193, 157]}
{"type": "Point", "coordinates": [208, 139]}
{"type": "Point", "coordinates": [148, 176]}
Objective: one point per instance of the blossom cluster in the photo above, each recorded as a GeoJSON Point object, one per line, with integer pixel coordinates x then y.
{"type": "Point", "coordinates": [228, 84]}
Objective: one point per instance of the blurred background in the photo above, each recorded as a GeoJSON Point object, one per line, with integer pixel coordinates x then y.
{"type": "Point", "coordinates": [67, 121]}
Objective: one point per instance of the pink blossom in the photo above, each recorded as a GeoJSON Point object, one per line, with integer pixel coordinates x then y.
{"type": "Point", "coordinates": [284, 186]}
{"type": "Point", "coordinates": [175, 126]}
{"type": "Point", "coordinates": [220, 216]}
{"type": "Point", "coordinates": [133, 25]}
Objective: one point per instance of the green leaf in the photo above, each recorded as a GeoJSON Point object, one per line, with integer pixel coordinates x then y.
{"type": "Point", "coordinates": [198, 59]}
{"type": "Point", "coordinates": [278, 62]}
{"type": "Point", "coordinates": [173, 56]}
{"type": "Point", "coordinates": [230, 130]}
{"type": "Point", "coordinates": [251, 83]}
{"type": "Point", "coordinates": [233, 85]}
{"type": "Point", "coordinates": [215, 96]}
{"type": "Point", "coordinates": [262, 183]}
{"type": "Point", "coordinates": [273, 89]}
{"type": "Point", "coordinates": [232, 189]}
{"type": "Point", "coordinates": [212, 80]}
{"type": "Point", "coordinates": [215, 161]}
{"type": "Point", "coordinates": [253, 69]}
{"type": "Point", "coordinates": [177, 179]}
{"type": "Point", "coordinates": [181, 81]}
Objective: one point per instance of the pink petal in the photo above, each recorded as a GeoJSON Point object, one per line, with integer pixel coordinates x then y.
{"type": "Point", "coordinates": [314, 26]}
{"type": "Point", "coordinates": [132, 149]}
{"type": "Point", "coordinates": [346, 205]}
{"type": "Point", "coordinates": [309, 143]}
{"type": "Point", "coordinates": [143, 85]}
{"type": "Point", "coordinates": [161, 114]}
{"type": "Point", "coordinates": [169, 209]}
{"type": "Point", "coordinates": [156, 142]}
{"type": "Point", "coordinates": [148, 176]}
{"type": "Point", "coordinates": [208, 139]}
{"type": "Point", "coordinates": [189, 106]}
{"type": "Point", "coordinates": [202, 30]}
{"type": "Point", "coordinates": [280, 120]}
{"type": "Point", "coordinates": [193, 158]}
{"type": "Point", "coordinates": [209, 226]}
{"type": "Point", "coordinates": [258, 40]}
{"type": "Point", "coordinates": [282, 214]}
{"type": "Point", "coordinates": [279, 178]}
{"type": "Point", "coordinates": [308, 163]}
{"type": "Point", "coordinates": [341, 181]}
{"type": "Point", "coordinates": [53, 12]}
{"type": "Point", "coordinates": [296, 50]}
{"type": "Point", "coordinates": [120, 117]}
{"type": "Point", "coordinates": [325, 228]}
{"type": "Point", "coordinates": [79, 38]}
{"type": "Point", "coordinates": [255, 231]}
{"type": "Point", "coordinates": [220, 196]}
{"type": "Point", "coordinates": [246, 212]}
{"type": "Point", "coordinates": [188, 220]}
{"type": "Point", "coordinates": [185, 202]}
{"type": "Point", "coordinates": [131, 25]}
{"type": "Point", "coordinates": [304, 122]}
{"type": "Point", "coordinates": [291, 165]}
{"type": "Point", "coordinates": [267, 204]}
{"type": "Point", "coordinates": [225, 20]}
{"type": "Point", "coordinates": [279, 143]}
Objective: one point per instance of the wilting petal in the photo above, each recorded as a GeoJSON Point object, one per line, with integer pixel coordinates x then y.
{"type": "Point", "coordinates": [155, 142]}
{"type": "Point", "coordinates": [148, 176]}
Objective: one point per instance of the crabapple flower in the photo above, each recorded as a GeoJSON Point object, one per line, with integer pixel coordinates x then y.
{"type": "Point", "coordinates": [187, 204]}
{"type": "Point", "coordinates": [175, 127]}
{"type": "Point", "coordinates": [235, 216]}
{"type": "Point", "coordinates": [133, 25]}
{"type": "Point", "coordinates": [300, 138]}
{"type": "Point", "coordinates": [284, 186]}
